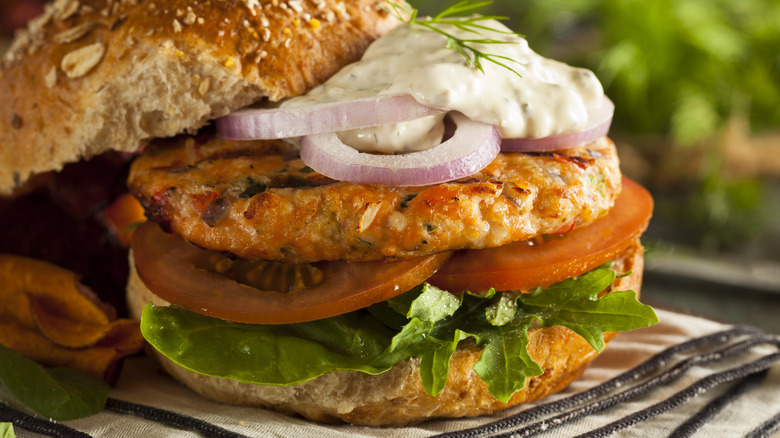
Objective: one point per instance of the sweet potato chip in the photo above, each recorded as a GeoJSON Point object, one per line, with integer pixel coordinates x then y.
{"type": "Point", "coordinates": [15, 305]}
{"type": "Point", "coordinates": [100, 362]}
{"type": "Point", "coordinates": [64, 331]}
{"type": "Point", "coordinates": [47, 316]}
{"type": "Point", "coordinates": [35, 278]}
{"type": "Point", "coordinates": [124, 336]}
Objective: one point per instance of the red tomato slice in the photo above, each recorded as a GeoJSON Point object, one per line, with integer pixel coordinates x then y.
{"type": "Point", "coordinates": [524, 266]}
{"type": "Point", "coordinates": [169, 267]}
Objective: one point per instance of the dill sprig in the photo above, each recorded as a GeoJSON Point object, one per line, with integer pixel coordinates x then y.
{"type": "Point", "coordinates": [452, 16]}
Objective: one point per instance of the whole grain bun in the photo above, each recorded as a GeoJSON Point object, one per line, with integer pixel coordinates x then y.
{"type": "Point", "coordinates": [90, 76]}
{"type": "Point", "coordinates": [397, 397]}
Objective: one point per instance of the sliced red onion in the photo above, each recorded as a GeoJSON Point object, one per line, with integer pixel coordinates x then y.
{"type": "Point", "coordinates": [272, 123]}
{"type": "Point", "coordinates": [472, 147]}
{"type": "Point", "coordinates": [599, 121]}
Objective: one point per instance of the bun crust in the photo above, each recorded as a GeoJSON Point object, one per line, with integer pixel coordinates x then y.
{"type": "Point", "coordinates": [90, 76]}
{"type": "Point", "coordinates": [397, 397]}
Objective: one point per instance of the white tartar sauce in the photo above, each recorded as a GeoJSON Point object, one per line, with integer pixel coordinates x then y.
{"type": "Point", "coordinates": [548, 98]}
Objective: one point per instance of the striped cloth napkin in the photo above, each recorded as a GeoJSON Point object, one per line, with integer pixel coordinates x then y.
{"type": "Point", "coordinates": [685, 377]}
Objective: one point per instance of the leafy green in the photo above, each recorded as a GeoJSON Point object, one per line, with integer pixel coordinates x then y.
{"type": "Point", "coordinates": [502, 312]}
{"type": "Point", "coordinates": [264, 354]}
{"type": "Point", "coordinates": [505, 363]}
{"type": "Point", "coordinates": [57, 393]}
{"type": "Point", "coordinates": [428, 306]}
{"type": "Point", "coordinates": [426, 323]}
{"type": "Point", "coordinates": [7, 430]}
{"type": "Point", "coordinates": [574, 303]}
{"type": "Point", "coordinates": [727, 213]}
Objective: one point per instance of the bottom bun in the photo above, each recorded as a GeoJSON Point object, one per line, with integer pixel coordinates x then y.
{"type": "Point", "coordinates": [397, 397]}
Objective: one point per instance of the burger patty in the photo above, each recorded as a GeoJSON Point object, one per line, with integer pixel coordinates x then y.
{"type": "Point", "coordinates": [259, 200]}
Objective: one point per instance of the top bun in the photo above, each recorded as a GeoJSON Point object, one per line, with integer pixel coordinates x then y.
{"type": "Point", "coordinates": [90, 76]}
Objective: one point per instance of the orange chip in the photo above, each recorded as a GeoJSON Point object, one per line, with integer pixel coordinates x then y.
{"type": "Point", "coordinates": [101, 362]}
{"type": "Point", "coordinates": [125, 337]}
{"type": "Point", "coordinates": [47, 316]}
{"type": "Point", "coordinates": [15, 306]}
{"type": "Point", "coordinates": [59, 287]}
{"type": "Point", "coordinates": [64, 331]}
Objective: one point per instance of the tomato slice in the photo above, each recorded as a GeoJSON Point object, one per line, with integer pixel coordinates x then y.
{"type": "Point", "coordinates": [524, 266]}
{"type": "Point", "coordinates": [174, 270]}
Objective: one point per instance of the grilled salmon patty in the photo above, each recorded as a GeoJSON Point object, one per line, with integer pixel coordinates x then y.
{"type": "Point", "coordinates": [259, 200]}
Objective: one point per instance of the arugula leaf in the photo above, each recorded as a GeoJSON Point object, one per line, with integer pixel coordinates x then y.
{"type": "Point", "coordinates": [57, 393]}
{"type": "Point", "coordinates": [574, 303]}
{"type": "Point", "coordinates": [433, 304]}
{"type": "Point", "coordinates": [501, 312]}
{"type": "Point", "coordinates": [505, 363]}
{"type": "Point", "coordinates": [433, 336]}
{"type": "Point", "coordinates": [416, 339]}
{"type": "Point", "coordinates": [7, 430]}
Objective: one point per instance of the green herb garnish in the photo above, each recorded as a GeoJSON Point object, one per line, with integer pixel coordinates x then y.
{"type": "Point", "coordinates": [452, 16]}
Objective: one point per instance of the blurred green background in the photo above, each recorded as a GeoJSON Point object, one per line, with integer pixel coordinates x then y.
{"type": "Point", "coordinates": [696, 84]}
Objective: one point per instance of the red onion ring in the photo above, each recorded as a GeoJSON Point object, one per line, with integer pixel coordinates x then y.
{"type": "Point", "coordinates": [472, 147]}
{"type": "Point", "coordinates": [599, 121]}
{"type": "Point", "coordinates": [268, 124]}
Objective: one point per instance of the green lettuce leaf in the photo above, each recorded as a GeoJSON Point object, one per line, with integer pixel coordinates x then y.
{"type": "Point", "coordinates": [57, 393]}
{"type": "Point", "coordinates": [426, 323]}
{"type": "Point", "coordinates": [264, 354]}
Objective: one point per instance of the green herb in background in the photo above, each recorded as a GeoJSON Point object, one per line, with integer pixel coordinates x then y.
{"type": "Point", "coordinates": [732, 212]}
{"type": "Point", "coordinates": [56, 393]}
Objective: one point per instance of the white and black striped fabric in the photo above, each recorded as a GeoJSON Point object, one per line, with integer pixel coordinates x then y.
{"type": "Point", "coordinates": [686, 377]}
